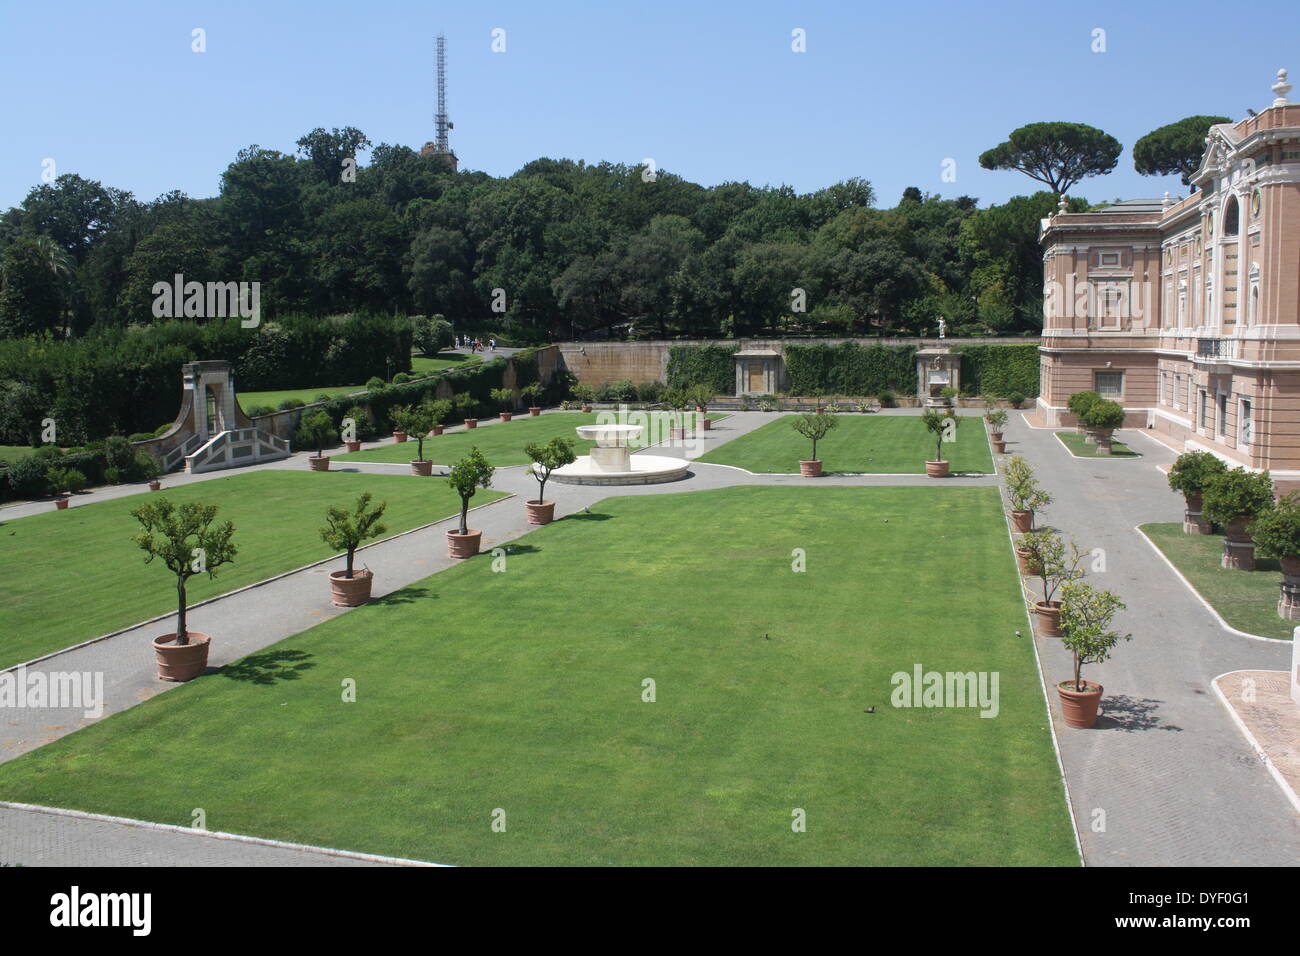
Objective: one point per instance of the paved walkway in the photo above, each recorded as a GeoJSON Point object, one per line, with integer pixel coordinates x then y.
{"type": "Point", "coordinates": [1177, 782]}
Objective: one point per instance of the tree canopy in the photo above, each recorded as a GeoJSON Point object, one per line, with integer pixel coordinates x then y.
{"type": "Point", "coordinates": [1175, 148]}
{"type": "Point", "coordinates": [1059, 155]}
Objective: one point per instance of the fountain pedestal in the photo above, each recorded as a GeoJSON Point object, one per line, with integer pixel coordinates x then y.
{"type": "Point", "coordinates": [611, 461]}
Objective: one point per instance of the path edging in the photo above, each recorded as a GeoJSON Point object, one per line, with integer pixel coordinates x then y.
{"type": "Point", "coordinates": [1276, 774]}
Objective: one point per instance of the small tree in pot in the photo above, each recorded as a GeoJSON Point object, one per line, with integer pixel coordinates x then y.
{"type": "Point", "coordinates": [532, 394]}
{"type": "Point", "coordinates": [1189, 476]}
{"type": "Point", "coordinates": [466, 405]}
{"type": "Point", "coordinates": [814, 427]}
{"type": "Point", "coordinates": [585, 394]}
{"type": "Point", "coordinates": [555, 453]}
{"type": "Point", "coordinates": [677, 400]}
{"type": "Point", "coordinates": [1086, 615]}
{"type": "Point", "coordinates": [64, 482]}
{"type": "Point", "coordinates": [467, 476]}
{"type": "Point", "coordinates": [415, 421]}
{"type": "Point", "coordinates": [345, 531]}
{"type": "Point", "coordinates": [997, 420]}
{"type": "Point", "coordinates": [316, 431]}
{"type": "Point", "coordinates": [1046, 555]}
{"type": "Point", "coordinates": [357, 427]}
{"type": "Point", "coordinates": [1234, 499]}
{"type": "Point", "coordinates": [1276, 534]}
{"type": "Point", "coordinates": [1102, 418]}
{"type": "Point", "coordinates": [944, 429]}
{"type": "Point", "coordinates": [187, 542]}
{"type": "Point", "coordinates": [436, 410]}
{"type": "Point", "coordinates": [701, 396]}
{"type": "Point", "coordinates": [505, 400]}
{"type": "Point", "coordinates": [1026, 495]}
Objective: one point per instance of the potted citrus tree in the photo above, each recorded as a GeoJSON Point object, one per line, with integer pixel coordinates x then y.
{"type": "Point", "coordinates": [505, 400]}
{"type": "Point", "coordinates": [63, 483]}
{"type": "Point", "coordinates": [1046, 555]}
{"type": "Point", "coordinates": [1086, 616]}
{"type": "Point", "coordinates": [701, 395]}
{"type": "Point", "coordinates": [1276, 534]}
{"type": "Point", "coordinates": [585, 394]}
{"type": "Point", "coordinates": [345, 531]}
{"type": "Point", "coordinates": [814, 427]}
{"type": "Point", "coordinates": [1190, 473]}
{"type": "Point", "coordinates": [361, 427]}
{"type": "Point", "coordinates": [465, 404]}
{"type": "Point", "coordinates": [1234, 499]}
{"type": "Point", "coordinates": [467, 476]}
{"type": "Point", "coordinates": [944, 429]}
{"type": "Point", "coordinates": [677, 400]}
{"type": "Point", "coordinates": [415, 420]}
{"type": "Point", "coordinates": [532, 394]}
{"type": "Point", "coordinates": [438, 411]}
{"type": "Point", "coordinates": [316, 431]}
{"type": "Point", "coordinates": [1101, 418]}
{"type": "Point", "coordinates": [997, 420]}
{"type": "Point", "coordinates": [555, 453]}
{"type": "Point", "coordinates": [188, 542]}
{"type": "Point", "coordinates": [146, 468]}
{"type": "Point", "coordinates": [1026, 495]}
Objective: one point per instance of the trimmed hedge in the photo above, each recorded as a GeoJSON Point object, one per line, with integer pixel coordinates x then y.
{"type": "Point", "coordinates": [999, 370]}
{"type": "Point", "coordinates": [710, 365]}
{"type": "Point", "coordinates": [850, 369]}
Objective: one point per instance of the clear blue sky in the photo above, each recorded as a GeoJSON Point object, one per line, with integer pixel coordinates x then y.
{"type": "Point", "coordinates": [711, 91]}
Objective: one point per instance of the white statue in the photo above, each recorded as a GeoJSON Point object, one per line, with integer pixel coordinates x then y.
{"type": "Point", "coordinates": [943, 327]}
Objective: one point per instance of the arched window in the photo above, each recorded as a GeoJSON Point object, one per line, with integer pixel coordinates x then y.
{"type": "Point", "coordinates": [1231, 217]}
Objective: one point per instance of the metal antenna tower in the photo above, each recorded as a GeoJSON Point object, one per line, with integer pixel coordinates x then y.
{"type": "Point", "coordinates": [441, 125]}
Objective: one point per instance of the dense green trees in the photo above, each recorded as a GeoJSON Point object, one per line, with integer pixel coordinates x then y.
{"type": "Point", "coordinates": [559, 249]}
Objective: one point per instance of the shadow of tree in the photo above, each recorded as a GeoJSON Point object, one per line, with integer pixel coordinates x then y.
{"type": "Point", "coordinates": [269, 668]}
{"type": "Point", "coordinates": [513, 549]}
{"type": "Point", "coordinates": [404, 596]}
{"type": "Point", "coordinates": [1122, 712]}
{"type": "Point", "coordinates": [586, 516]}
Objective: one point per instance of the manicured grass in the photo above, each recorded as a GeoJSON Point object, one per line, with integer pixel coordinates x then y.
{"type": "Point", "coordinates": [76, 574]}
{"type": "Point", "coordinates": [12, 453]}
{"type": "Point", "coordinates": [502, 442]}
{"type": "Point", "coordinates": [421, 365]}
{"type": "Point", "coordinates": [1247, 600]}
{"type": "Point", "coordinates": [522, 690]}
{"type": "Point", "coordinates": [249, 400]}
{"type": "Point", "coordinates": [1077, 446]}
{"type": "Point", "coordinates": [874, 444]}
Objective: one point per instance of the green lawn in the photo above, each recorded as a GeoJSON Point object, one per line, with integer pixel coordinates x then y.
{"type": "Point", "coordinates": [12, 453]}
{"type": "Point", "coordinates": [522, 691]}
{"type": "Point", "coordinates": [420, 365]}
{"type": "Point", "coordinates": [875, 444]}
{"type": "Point", "coordinates": [1077, 446]}
{"type": "Point", "coordinates": [1247, 600]}
{"type": "Point", "coordinates": [502, 442]}
{"type": "Point", "coordinates": [249, 400]}
{"type": "Point", "coordinates": [82, 576]}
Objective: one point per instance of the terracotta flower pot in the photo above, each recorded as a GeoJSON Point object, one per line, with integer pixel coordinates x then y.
{"type": "Point", "coordinates": [995, 436]}
{"type": "Point", "coordinates": [810, 468]}
{"type": "Point", "coordinates": [1290, 566]}
{"type": "Point", "coordinates": [675, 433]}
{"type": "Point", "coordinates": [353, 591]}
{"type": "Point", "coordinates": [1022, 521]}
{"type": "Point", "coordinates": [471, 423]}
{"type": "Point", "coordinates": [540, 512]}
{"type": "Point", "coordinates": [534, 411]}
{"type": "Point", "coordinates": [436, 430]}
{"type": "Point", "coordinates": [353, 445]}
{"type": "Point", "coordinates": [936, 469]}
{"type": "Point", "coordinates": [1079, 707]}
{"type": "Point", "coordinates": [1238, 546]}
{"type": "Point", "coordinates": [1049, 617]}
{"type": "Point", "coordinates": [321, 463]}
{"type": "Point", "coordinates": [1194, 522]}
{"type": "Point", "coordinates": [155, 486]}
{"type": "Point", "coordinates": [422, 468]}
{"type": "Point", "coordinates": [586, 408]}
{"type": "Point", "coordinates": [181, 662]}
{"type": "Point", "coordinates": [1024, 558]}
{"type": "Point", "coordinates": [699, 409]}
{"type": "Point", "coordinates": [1000, 447]}
{"type": "Point", "coordinates": [400, 437]}
{"type": "Point", "coordinates": [505, 416]}
{"type": "Point", "coordinates": [61, 503]}
{"type": "Point", "coordinates": [463, 545]}
{"type": "Point", "coordinates": [706, 424]}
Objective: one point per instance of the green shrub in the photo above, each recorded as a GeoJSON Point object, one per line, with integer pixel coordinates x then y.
{"type": "Point", "coordinates": [1004, 370]}
{"type": "Point", "coordinates": [1080, 402]}
{"type": "Point", "coordinates": [259, 410]}
{"type": "Point", "coordinates": [315, 431]}
{"type": "Point", "coordinates": [64, 481]}
{"type": "Point", "coordinates": [432, 334]}
{"type": "Point", "coordinates": [1192, 471]}
{"type": "Point", "coordinates": [291, 403]}
{"type": "Point", "coordinates": [401, 378]}
{"type": "Point", "coordinates": [144, 466]}
{"type": "Point", "coordinates": [140, 436]}
{"type": "Point", "coordinates": [162, 429]}
{"type": "Point", "coordinates": [1277, 531]}
{"type": "Point", "coordinates": [650, 392]}
{"type": "Point", "coordinates": [113, 476]}
{"type": "Point", "coordinates": [1237, 493]}
{"type": "Point", "coordinates": [886, 398]}
{"type": "Point", "coordinates": [375, 383]}
{"type": "Point", "coordinates": [1103, 414]}
{"type": "Point", "coordinates": [27, 477]}
{"type": "Point", "coordinates": [1016, 399]}
{"type": "Point", "coordinates": [849, 369]}
{"type": "Point", "coordinates": [615, 392]}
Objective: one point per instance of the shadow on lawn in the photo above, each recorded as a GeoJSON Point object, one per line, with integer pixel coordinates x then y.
{"type": "Point", "coordinates": [404, 596]}
{"type": "Point", "coordinates": [586, 516]}
{"type": "Point", "coordinates": [269, 668]}
{"type": "Point", "coordinates": [1121, 712]}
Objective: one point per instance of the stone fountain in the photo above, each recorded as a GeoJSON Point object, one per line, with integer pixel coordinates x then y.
{"type": "Point", "coordinates": [611, 462]}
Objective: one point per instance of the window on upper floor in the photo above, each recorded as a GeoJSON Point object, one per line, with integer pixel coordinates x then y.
{"type": "Point", "coordinates": [1231, 217]}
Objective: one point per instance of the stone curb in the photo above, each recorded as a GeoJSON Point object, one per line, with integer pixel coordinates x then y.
{"type": "Point", "coordinates": [1250, 738]}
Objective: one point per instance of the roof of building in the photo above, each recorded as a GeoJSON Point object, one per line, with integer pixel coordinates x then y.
{"type": "Point", "coordinates": [1131, 205]}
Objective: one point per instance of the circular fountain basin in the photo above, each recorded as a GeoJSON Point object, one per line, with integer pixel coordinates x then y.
{"type": "Point", "coordinates": [611, 462]}
{"type": "Point", "coordinates": [610, 435]}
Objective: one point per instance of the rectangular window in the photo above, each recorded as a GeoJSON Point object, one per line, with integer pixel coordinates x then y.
{"type": "Point", "coordinates": [1178, 390]}
{"type": "Point", "coordinates": [1109, 384]}
{"type": "Point", "coordinates": [1223, 415]}
{"type": "Point", "coordinates": [1203, 410]}
{"type": "Point", "coordinates": [1244, 429]}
